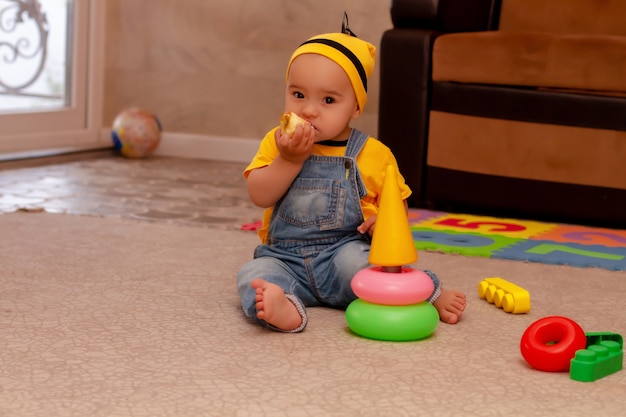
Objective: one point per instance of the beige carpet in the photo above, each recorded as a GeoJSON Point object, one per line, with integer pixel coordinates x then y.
{"type": "Point", "coordinates": [115, 317]}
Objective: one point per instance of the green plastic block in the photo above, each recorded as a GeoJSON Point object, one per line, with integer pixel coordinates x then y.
{"type": "Point", "coordinates": [597, 361]}
{"type": "Point", "coordinates": [594, 338]}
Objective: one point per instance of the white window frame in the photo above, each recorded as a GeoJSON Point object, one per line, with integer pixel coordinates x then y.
{"type": "Point", "coordinates": [76, 127]}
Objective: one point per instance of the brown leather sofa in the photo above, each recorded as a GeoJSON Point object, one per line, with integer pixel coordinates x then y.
{"type": "Point", "coordinates": [509, 107]}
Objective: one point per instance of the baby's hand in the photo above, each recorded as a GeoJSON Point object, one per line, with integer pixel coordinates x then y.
{"type": "Point", "coordinates": [367, 226]}
{"type": "Point", "coordinates": [297, 147]}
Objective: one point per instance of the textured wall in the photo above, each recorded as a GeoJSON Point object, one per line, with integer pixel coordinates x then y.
{"type": "Point", "coordinates": [217, 67]}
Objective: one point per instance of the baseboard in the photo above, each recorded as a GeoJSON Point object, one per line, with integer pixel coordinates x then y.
{"type": "Point", "coordinates": [196, 146]}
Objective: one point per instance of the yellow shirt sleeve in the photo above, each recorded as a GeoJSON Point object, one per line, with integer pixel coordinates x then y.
{"type": "Point", "coordinates": [268, 151]}
{"type": "Point", "coordinates": [372, 161]}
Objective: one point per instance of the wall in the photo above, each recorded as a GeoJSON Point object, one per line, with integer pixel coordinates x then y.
{"type": "Point", "coordinates": [217, 68]}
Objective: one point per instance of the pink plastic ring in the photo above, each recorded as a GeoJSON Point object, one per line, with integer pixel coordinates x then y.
{"type": "Point", "coordinates": [550, 343]}
{"type": "Point", "coordinates": [410, 286]}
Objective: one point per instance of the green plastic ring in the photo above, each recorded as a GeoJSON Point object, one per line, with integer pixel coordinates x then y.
{"type": "Point", "coordinates": [394, 323]}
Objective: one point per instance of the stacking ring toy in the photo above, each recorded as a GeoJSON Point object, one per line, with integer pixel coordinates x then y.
{"type": "Point", "coordinates": [550, 343]}
{"type": "Point", "coordinates": [411, 286]}
{"type": "Point", "coordinates": [392, 322]}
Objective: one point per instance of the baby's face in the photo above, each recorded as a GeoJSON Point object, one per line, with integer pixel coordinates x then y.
{"type": "Point", "coordinates": [319, 90]}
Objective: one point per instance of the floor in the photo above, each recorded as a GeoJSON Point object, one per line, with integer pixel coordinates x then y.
{"type": "Point", "coordinates": [172, 190]}
{"type": "Point", "coordinates": [145, 320]}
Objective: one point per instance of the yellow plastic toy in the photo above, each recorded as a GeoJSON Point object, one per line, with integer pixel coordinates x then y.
{"type": "Point", "coordinates": [392, 244]}
{"type": "Point", "coordinates": [504, 295]}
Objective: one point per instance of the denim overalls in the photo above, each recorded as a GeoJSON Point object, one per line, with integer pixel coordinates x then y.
{"type": "Point", "coordinates": [314, 248]}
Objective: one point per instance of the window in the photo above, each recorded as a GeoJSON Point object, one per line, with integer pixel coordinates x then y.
{"type": "Point", "coordinates": [51, 75]}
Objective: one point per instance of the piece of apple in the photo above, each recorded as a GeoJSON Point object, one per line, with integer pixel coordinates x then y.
{"type": "Point", "coordinates": [289, 121]}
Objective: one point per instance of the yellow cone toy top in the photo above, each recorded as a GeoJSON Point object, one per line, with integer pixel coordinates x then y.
{"type": "Point", "coordinates": [392, 243]}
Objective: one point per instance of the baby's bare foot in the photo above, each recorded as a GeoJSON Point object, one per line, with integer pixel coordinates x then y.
{"type": "Point", "coordinates": [450, 305]}
{"type": "Point", "coordinates": [273, 307]}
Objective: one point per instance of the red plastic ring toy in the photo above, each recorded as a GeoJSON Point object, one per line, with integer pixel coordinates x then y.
{"type": "Point", "coordinates": [550, 343]}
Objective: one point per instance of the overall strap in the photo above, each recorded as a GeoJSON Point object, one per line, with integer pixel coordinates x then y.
{"type": "Point", "coordinates": [356, 141]}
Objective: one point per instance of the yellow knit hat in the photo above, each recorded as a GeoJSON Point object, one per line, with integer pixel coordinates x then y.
{"type": "Point", "coordinates": [354, 55]}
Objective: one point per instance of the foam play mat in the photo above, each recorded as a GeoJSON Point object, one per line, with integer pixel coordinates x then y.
{"type": "Point", "coordinates": [522, 240]}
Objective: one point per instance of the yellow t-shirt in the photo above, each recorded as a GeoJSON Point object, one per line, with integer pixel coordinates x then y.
{"type": "Point", "coordinates": [372, 162]}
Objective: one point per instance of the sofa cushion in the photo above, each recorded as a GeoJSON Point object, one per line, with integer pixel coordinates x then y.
{"type": "Point", "coordinates": [592, 17]}
{"type": "Point", "coordinates": [534, 151]}
{"type": "Point", "coordinates": [533, 59]}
